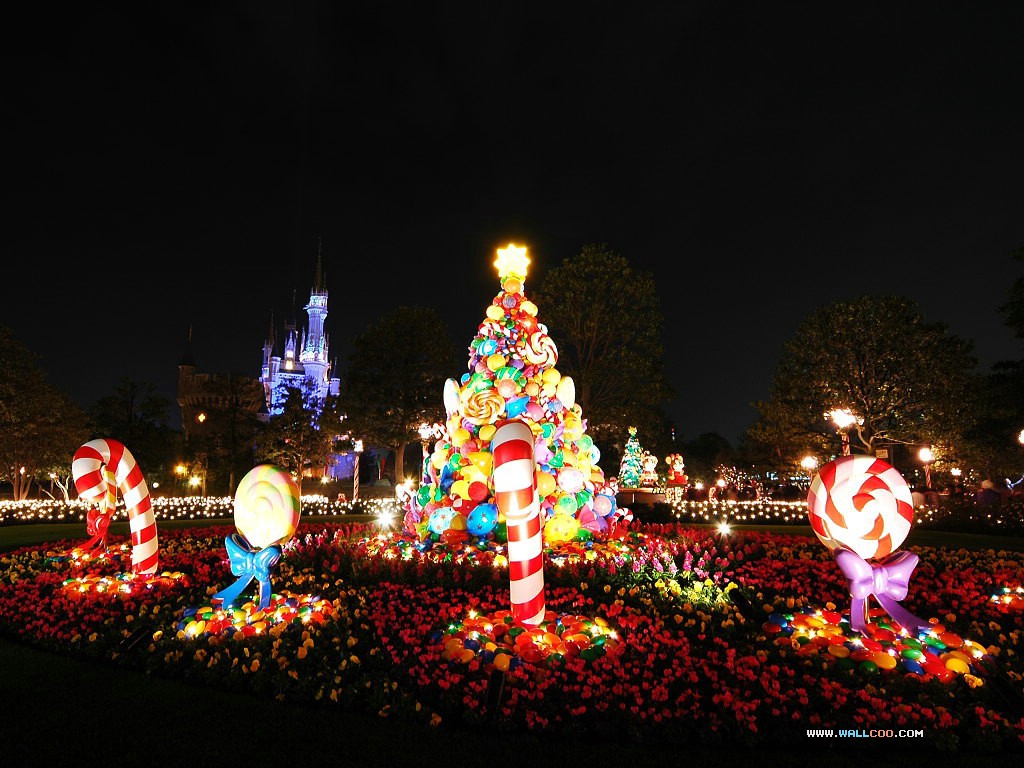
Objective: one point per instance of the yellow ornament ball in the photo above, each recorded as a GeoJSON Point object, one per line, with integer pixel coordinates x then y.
{"type": "Point", "coordinates": [573, 429]}
{"type": "Point", "coordinates": [529, 308]}
{"type": "Point", "coordinates": [494, 362]}
{"type": "Point", "coordinates": [512, 284]}
{"type": "Point", "coordinates": [487, 432]}
{"type": "Point", "coordinates": [482, 460]}
{"type": "Point", "coordinates": [495, 313]}
{"type": "Point", "coordinates": [460, 488]}
{"type": "Point", "coordinates": [551, 376]}
{"type": "Point", "coordinates": [532, 388]}
{"type": "Point", "coordinates": [566, 392]}
{"type": "Point", "coordinates": [560, 529]}
{"type": "Point", "coordinates": [545, 484]}
{"type": "Point", "coordinates": [471, 474]}
{"type": "Point", "coordinates": [460, 436]}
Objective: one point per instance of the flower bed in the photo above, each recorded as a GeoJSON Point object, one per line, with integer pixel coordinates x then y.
{"type": "Point", "coordinates": [680, 618]}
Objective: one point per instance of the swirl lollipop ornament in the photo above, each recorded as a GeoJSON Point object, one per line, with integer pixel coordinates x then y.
{"type": "Point", "coordinates": [860, 508]}
{"type": "Point", "coordinates": [266, 516]}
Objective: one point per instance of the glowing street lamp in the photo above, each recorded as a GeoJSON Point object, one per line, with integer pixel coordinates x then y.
{"type": "Point", "coordinates": [843, 418]}
{"type": "Point", "coordinates": [809, 463]}
{"type": "Point", "coordinates": [425, 431]}
{"type": "Point", "coordinates": [927, 456]}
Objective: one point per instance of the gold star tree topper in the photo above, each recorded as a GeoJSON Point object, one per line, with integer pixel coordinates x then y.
{"type": "Point", "coordinates": [511, 262]}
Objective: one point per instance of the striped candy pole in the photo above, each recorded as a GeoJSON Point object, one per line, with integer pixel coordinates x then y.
{"type": "Point", "coordinates": [110, 498]}
{"type": "Point", "coordinates": [515, 492]}
{"type": "Point", "coordinates": [92, 464]}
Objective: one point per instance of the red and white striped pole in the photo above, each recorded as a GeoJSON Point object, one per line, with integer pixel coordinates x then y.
{"type": "Point", "coordinates": [515, 492]}
{"type": "Point", "coordinates": [91, 467]}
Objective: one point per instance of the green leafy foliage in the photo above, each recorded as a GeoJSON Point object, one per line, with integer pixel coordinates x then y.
{"type": "Point", "coordinates": [906, 379]}
{"type": "Point", "coordinates": [606, 319]}
{"type": "Point", "coordinates": [395, 379]}
{"type": "Point", "coordinates": [40, 427]}
{"type": "Point", "coordinates": [303, 435]}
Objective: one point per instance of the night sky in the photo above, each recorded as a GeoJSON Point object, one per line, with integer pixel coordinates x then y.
{"type": "Point", "coordinates": [173, 165]}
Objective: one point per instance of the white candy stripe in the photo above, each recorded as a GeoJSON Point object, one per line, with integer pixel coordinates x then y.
{"type": "Point", "coordinates": [523, 551]}
{"type": "Point", "coordinates": [514, 475]}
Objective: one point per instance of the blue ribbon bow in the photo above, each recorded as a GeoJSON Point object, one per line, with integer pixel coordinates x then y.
{"type": "Point", "coordinates": [248, 564]}
{"type": "Point", "coordinates": [889, 582]}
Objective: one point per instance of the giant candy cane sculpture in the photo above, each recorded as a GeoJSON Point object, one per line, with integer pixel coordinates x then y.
{"type": "Point", "coordinates": [93, 463]}
{"type": "Point", "coordinates": [515, 492]}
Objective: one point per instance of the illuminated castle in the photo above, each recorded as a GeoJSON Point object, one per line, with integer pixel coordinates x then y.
{"type": "Point", "coordinates": [304, 358]}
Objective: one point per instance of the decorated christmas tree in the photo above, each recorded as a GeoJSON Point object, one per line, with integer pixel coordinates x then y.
{"type": "Point", "coordinates": [512, 374]}
{"type": "Point", "coordinates": [632, 464]}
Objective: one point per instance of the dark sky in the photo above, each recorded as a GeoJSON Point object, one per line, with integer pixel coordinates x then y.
{"type": "Point", "coordinates": [170, 165]}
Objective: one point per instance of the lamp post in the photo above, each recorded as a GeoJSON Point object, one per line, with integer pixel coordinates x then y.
{"type": "Point", "coordinates": [843, 418]}
{"type": "Point", "coordinates": [927, 456]}
{"type": "Point", "coordinates": [357, 446]}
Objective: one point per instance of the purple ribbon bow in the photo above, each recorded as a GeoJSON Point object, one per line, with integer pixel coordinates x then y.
{"type": "Point", "coordinates": [888, 580]}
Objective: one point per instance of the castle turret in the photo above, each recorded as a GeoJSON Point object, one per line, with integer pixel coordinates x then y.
{"type": "Point", "coordinates": [314, 347]}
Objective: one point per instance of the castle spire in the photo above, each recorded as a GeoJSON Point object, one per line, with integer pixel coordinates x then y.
{"type": "Point", "coordinates": [187, 358]}
{"type": "Point", "coordinates": [271, 335]}
{"type": "Point", "coordinates": [318, 277]}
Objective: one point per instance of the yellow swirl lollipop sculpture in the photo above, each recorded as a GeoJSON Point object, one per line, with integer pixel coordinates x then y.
{"type": "Point", "coordinates": [266, 516]}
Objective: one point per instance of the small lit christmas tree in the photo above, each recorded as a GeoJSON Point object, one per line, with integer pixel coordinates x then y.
{"type": "Point", "coordinates": [632, 465]}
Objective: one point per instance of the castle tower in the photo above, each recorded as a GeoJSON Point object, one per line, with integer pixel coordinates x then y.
{"type": "Point", "coordinates": [313, 355]}
{"type": "Point", "coordinates": [305, 357]}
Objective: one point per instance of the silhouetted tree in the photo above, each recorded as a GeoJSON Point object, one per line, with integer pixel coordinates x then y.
{"type": "Point", "coordinates": [40, 427]}
{"type": "Point", "coordinates": [606, 319]}
{"type": "Point", "coordinates": [906, 379]}
{"type": "Point", "coordinates": [395, 379]}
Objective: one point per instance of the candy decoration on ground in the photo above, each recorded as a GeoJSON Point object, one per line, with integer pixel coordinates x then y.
{"type": "Point", "coordinates": [266, 516]}
{"type": "Point", "coordinates": [887, 581]}
{"type": "Point", "coordinates": [861, 503]}
{"type": "Point", "coordinates": [825, 635]}
{"type": "Point", "coordinates": [93, 464]}
{"type": "Point", "coordinates": [247, 564]}
{"type": "Point", "coordinates": [515, 491]}
{"type": "Point", "coordinates": [249, 619]}
{"type": "Point", "coordinates": [267, 506]}
{"type": "Point", "coordinates": [1007, 599]}
{"type": "Point", "coordinates": [861, 509]}
{"type": "Point", "coordinates": [498, 640]}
